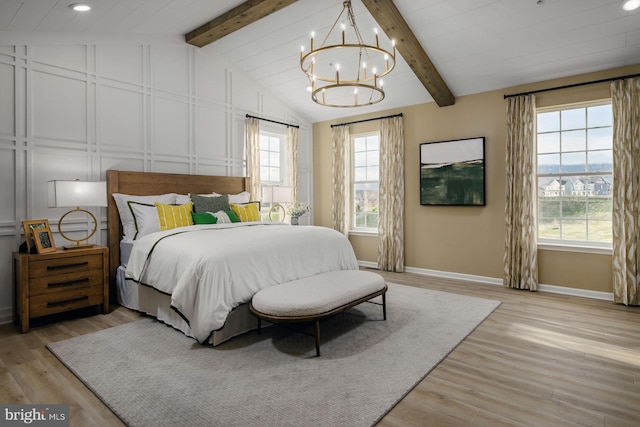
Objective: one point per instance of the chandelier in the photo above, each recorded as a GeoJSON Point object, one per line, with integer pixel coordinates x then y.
{"type": "Point", "coordinates": [344, 73]}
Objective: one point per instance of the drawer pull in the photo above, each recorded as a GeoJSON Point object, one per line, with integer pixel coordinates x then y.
{"type": "Point", "coordinates": [69, 283]}
{"type": "Point", "coordinates": [67, 301]}
{"type": "Point", "coordinates": [63, 266]}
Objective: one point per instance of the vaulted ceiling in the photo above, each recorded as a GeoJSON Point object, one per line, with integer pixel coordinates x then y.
{"type": "Point", "coordinates": [475, 45]}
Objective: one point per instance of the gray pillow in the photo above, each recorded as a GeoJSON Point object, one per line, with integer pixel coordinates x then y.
{"type": "Point", "coordinates": [203, 204]}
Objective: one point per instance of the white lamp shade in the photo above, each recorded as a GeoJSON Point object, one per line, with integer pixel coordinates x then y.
{"type": "Point", "coordinates": [276, 194]}
{"type": "Point", "coordinates": [65, 194]}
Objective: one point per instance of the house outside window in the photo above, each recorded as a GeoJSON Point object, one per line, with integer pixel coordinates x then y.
{"type": "Point", "coordinates": [365, 179]}
{"type": "Point", "coordinates": [575, 174]}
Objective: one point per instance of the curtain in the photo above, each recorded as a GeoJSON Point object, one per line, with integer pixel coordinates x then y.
{"type": "Point", "coordinates": [391, 203]}
{"type": "Point", "coordinates": [252, 134]}
{"type": "Point", "coordinates": [520, 252]}
{"type": "Point", "coordinates": [292, 160]}
{"type": "Point", "coordinates": [625, 102]}
{"type": "Point", "coordinates": [340, 170]}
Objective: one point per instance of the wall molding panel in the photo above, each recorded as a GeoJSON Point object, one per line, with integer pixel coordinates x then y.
{"type": "Point", "coordinates": [74, 107]}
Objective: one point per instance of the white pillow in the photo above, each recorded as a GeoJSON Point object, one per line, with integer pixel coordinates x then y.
{"type": "Point", "coordinates": [222, 217]}
{"type": "Point", "coordinates": [145, 219]}
{"type": "Point", "coordinates": [182, 199]}
{"type": "Point", "coordinates": [238, 199]}
{"type": "Point", "coordinates": [126, 217]}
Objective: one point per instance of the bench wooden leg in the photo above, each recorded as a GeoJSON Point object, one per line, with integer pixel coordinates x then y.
{"type": "Point", "coordinates": [317, 338]}
{"type": "Point", "coordinates": [384, 306]}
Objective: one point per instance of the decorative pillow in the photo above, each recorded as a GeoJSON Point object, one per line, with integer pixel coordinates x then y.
{"type": "Point", "coordinates": [145, 219]}
{"type": "Point", "coordinates": [248, 212]}
{"type": "Point", "coordinates": [174, 216]}
{"type": "Point", "coordinates": [225, 217]}
{"type": "Point", "coordinates": [181, 199]}
{"type": "Point", "coordinates": [203, 218]}
{"type": "Point", "coordinates": [126, 216]}
{"type": "Point", "coordinates": [240, 198]}
{"type": "Point", "coordinates": [210, 204]}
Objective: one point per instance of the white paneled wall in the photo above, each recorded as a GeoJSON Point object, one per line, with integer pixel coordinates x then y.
{"type": "Point", "coordinates": [76, 108]}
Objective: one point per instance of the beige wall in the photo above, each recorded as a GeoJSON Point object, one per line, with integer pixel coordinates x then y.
{"type": "Point", "coordinates": [466, 240]}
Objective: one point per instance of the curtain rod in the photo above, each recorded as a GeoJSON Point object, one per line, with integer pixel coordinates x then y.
{"type": "Point", "coordinates": [611, 79]}
{"type": "Point", "coordinates": [367, 120]}
{"type": "Point", "coordinates": [249, 116]}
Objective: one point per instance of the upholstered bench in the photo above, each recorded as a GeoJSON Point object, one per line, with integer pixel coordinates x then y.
{"type": "Point", "coordinates": [317, 297]}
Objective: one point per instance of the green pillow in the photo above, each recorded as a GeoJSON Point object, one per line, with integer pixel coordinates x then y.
{"type": "Point", "coordinates": [203, 218]}
{"type": "Point", "coordinates": [232, 216]}
{"type": "Point", "coordinates": [203, 204]}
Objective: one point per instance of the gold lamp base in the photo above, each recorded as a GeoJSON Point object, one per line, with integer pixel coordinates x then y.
{"type": "Point", "coordinates": [274, 208]}
{"type": "Point", "coordinates": [78, 244]}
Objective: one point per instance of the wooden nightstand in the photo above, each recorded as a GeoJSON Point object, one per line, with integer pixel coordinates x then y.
{"type": "Point", "coordinates": [59, 281]}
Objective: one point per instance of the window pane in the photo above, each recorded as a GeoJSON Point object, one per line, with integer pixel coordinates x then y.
{"type": "Point", "coordinates": [574, 119]}
{"type": "Point", "coordinates": [373, 143]}
{"type": "Point", "coordinates": [274, 174]}
{"type": "Point", "coordinates": [359, 144]}
{"type": "Point", "coordinates": [360, 174]}
{"type": "Point", "coordinates": [264, 142]}
{"type": "Point", "coordinates": [600, 161]}
{"type": "Point", "coordinates": [360, 159]}
{"type": "Point", "coordinates": [600, 115]}
{"type": "Point", "coordinates": [574, 229]}
{"type": "Point", "coordinates": [548, 163]}
{"type": "Point", "coordinates": [548, 228]}
{"type": "Point", "coordinates": [574, 162]}
{"type": "Point", "coordinates": [601, 138]}
{"type": "Point", "coordinates": [549, 122]}
{"type": "Point", "coordinates": [274, 144]}
{"type": "Point", "coordinates": [274, 159]}
{"type": "Point", "coordinates": [549, 143]}
{"type": "Point", "coordinates": [574, 140]}
{"type": "Point", "coordinates": [573, 207]}
{"type": "Point", "coordinates": [264, 173]}
{"type": "Point", "coordinates": [373, 173]}
{"type": "Point", "coordinates": [599, 207]}
{"type": "Point", "coordinates": [264, 158]}
{"type": "Point", "coordinates": [373, 158]}
{"type": "Point", "coordinates": [600, 231]}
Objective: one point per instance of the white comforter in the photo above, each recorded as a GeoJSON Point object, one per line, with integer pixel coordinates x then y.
{"type": "Point", "coordinates": [210, 269]}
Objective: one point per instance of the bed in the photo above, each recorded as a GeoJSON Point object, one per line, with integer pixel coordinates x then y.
{"type": "Point", "coordinates": [207, 296]}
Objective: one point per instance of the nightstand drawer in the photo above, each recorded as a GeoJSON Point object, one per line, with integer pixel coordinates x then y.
{"type": "Point", "coordinates": [63, 282]}
{"type": "Point", "coordinates": [48, 267]}
{"type": "Point", "coordinates": [43, 305]}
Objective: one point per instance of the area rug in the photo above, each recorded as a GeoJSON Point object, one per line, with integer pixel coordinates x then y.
{"type": "Point", "coordinates": [152, 375]}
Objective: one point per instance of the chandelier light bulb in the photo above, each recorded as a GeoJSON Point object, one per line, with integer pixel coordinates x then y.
{"type": "Point", "coordinates": [80, 7]}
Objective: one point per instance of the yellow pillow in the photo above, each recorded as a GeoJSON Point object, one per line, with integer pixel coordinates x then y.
{"type": "Point", "coordinates": [174, 216]}
{"type": "Point", "coordinates": [245, 213]}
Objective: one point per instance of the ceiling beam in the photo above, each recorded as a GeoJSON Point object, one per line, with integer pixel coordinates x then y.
{"type": "Point", "coordinates": [238, 17]}
{"type": "Point", "coordinates": [395, 27]}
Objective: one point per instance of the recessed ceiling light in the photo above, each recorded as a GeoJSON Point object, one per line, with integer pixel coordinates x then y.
{"type": "Point", "coordinates": [80, 7]}
{"type": "Point", "coordinates": [631, 5]}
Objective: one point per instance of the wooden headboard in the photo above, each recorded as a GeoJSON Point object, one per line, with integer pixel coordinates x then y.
{"type": "Point", "coordinates": [151, 183]}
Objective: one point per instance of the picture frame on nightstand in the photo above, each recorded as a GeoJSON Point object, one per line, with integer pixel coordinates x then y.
{"type": "Point", "coordinates": [44, 240]}
{"type": "Point", "coordinates": [33, 224]}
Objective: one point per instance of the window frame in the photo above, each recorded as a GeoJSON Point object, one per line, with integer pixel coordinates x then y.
{"type": "Point", "coordinates": [282, 154]}
{"type": "Point", "coordinates": [583, 246]}
{"type": "Point", "coordinates": [365, 231]}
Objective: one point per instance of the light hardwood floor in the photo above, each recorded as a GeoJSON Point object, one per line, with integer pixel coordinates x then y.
{"type": "Point", "coordinates": [539, 360]}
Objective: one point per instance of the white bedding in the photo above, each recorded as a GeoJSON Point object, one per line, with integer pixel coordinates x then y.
{"type": "Point", "coordinates": [210, 269]}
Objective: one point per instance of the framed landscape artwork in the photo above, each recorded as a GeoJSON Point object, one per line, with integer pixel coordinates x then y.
{"type": "Point", "coordinates": [452, 172]}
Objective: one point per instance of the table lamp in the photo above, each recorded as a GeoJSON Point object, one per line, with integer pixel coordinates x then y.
{"type": "Point", "coordinates": [66, 194]}
{"type": "Point", "coordinates": [276, 195]}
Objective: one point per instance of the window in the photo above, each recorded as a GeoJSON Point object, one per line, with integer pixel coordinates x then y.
{"type": "Point", "coordinates": [366, 171]}
{"type": "Point", "coordinates": [575, 175]}
{"type": "Point", "coordinates": [271, 158]}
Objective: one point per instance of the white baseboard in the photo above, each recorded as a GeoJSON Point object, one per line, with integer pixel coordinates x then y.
{"type": "Point", "coordinates": [606, 296]}
{"type": "Point", "coordinates": [6, 315]}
